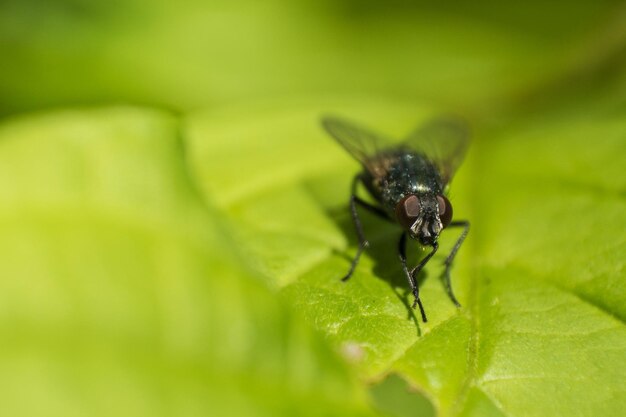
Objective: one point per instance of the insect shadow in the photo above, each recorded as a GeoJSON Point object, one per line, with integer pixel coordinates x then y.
{"type": "Point", "coordinates": [386, 263]}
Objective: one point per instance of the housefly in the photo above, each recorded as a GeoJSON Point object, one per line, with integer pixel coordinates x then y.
{"type": "Point", "coordinates": [409, 181]}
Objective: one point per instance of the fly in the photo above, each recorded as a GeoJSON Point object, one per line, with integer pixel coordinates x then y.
{"type": "Point", "coordinates": [409, 181]}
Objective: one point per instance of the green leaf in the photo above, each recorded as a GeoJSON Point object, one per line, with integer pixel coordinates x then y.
{"type": "Point", "coordinates": [393, 396]}
{"type": "Point", "coordinates": [121, 294]}
{"type": "Point", "coordinates": [541, 331]}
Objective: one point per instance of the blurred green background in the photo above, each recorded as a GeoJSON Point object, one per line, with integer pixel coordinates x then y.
{"type": "Point", "coordinates": [173, 218]}
{"type": "Point", "coordinates": [194, 53]}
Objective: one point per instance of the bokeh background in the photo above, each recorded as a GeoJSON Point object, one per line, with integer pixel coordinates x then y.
{"type": "Point", "coordinates": [195, 54]}
{"type": "Point", "coordinates": [172, 214]}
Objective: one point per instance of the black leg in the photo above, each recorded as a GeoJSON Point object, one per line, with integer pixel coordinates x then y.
{"type": "Point", "coordinates": [409, 277]}
{"type": "Point", "coordinates": [363, 242]}
{"type": "Point", "coordinates": [448, 262]}
{"type": "Point", "coordinates": [413, 277]}
{"type": "Point", "coordinates": [371, 208]}
{"type": "Point", "coordinates": [423, 262]}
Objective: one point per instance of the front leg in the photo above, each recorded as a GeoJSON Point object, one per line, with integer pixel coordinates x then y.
{"type": "Point", "coordinates": [448, 262]}
{"type": "Point", "coordinates": [416, 292]}
{"type": "Point", "coordinates": [412, 275]}
{"type": "Point", "coordinates": [423, 262]}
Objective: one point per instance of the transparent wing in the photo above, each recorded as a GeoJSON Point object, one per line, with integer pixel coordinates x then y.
{"type": "Point", "coordinates": [360, 142]}
{"type": "Point", "coordinates": [444, 141]}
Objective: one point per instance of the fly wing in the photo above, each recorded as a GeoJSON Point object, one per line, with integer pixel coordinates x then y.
{"type": "Point", "coordinates": [360, 142]}
{"type": "Point", "coordinates": [444, 142]}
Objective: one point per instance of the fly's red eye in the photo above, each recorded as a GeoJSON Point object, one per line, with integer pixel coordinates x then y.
{"type": "Point", "coordinates": [408, 210]}
{"type": "Point", "coordinates": [445, 210]}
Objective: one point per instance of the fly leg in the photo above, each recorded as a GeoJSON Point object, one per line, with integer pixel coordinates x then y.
{"type": "Point", "coordinates": [410, 277]}
{"type": "Point", "coordinates": [424, 261]}
{"type": "Point", "coordinates": [448, 262]}
{"type": "Point", "coordinates": [413, 273]}
{"type": "Point", "coordinates": [363, 242]}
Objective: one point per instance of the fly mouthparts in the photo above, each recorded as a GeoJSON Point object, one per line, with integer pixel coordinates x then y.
{"type": "Point", "coordinates": [416, 226]}
{"type": "Point", "coordinates": [437, 227]}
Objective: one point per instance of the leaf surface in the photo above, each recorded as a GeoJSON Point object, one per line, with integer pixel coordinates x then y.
{"type": "Point", "coordinates": [121, 293]}
{"type": "Point", "coordinates": [541, 331]}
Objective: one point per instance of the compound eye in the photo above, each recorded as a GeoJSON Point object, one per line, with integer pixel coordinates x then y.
{"type": "Point", "coordinates": [445, 210]}
{"type": "Point", "coordinates": [408, 210]}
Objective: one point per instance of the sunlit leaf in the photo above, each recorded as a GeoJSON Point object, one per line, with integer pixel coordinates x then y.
{"type": "Point", "coordinates": [541, 331]}
{"type": "Point", "coordinates": [122, 295]}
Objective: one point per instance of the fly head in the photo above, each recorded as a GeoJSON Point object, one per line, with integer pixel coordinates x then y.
{"type": "Point", "coordinates": [424, 216]}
